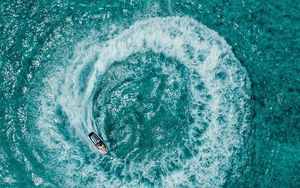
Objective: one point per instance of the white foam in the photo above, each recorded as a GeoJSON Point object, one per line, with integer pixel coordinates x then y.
{"type": "Point", "coordinates": [184, 39]}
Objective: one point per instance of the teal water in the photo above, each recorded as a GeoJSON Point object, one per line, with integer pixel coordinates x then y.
{"type": "Point", "coordinates": [184, 93]}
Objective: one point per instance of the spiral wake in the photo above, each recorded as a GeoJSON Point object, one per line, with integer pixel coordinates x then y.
{"type": "Point", "coordinates": [168, 96]}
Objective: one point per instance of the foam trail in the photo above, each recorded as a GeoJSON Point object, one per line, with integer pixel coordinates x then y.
{"type": "Point", "coordinates": [219, 108]}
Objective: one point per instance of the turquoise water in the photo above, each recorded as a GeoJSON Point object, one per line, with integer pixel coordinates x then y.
{"type": "Point", "coordinates": [184, 93]}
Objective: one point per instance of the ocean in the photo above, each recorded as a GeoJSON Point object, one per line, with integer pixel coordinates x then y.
{"type": "Point", "coordinates": [184, 93]}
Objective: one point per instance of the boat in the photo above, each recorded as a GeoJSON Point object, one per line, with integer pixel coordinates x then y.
{"type": "Point", "coordinates": [98, 142]}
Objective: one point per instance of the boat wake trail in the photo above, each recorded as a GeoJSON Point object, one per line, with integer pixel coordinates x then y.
{"type": "Point", "coordinates": [167, 95]}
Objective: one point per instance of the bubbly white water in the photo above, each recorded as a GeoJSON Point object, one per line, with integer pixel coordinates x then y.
{"type": "Point", "coordinates": [223, 102]}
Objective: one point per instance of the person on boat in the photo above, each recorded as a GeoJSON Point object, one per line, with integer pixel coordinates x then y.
{"type": "Point", "coordinates": [101, 146]}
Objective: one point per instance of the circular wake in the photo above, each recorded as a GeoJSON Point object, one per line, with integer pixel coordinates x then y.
{"type": "Point", "coordinates": [166, 94]}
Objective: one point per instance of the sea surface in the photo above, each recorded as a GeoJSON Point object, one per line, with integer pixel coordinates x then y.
{"type": "Point", "coordinates": [184, 93]}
